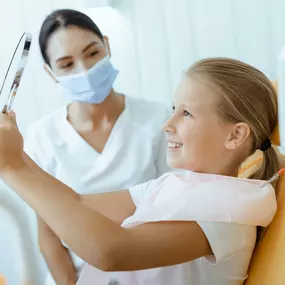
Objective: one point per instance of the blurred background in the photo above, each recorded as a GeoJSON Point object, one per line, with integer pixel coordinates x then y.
{"type": "Point", "coordinates": [152, 42]}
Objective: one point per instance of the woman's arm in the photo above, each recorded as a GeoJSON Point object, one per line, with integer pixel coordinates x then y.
{"type": "Point", "coordinates": [56, 256]}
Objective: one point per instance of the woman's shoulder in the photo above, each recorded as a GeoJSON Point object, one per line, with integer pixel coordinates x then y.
{"type": "Point", "coordinates": [46, 126]}
{"type": "Point", "coordinates": [41, 137]}
{"type": "Point", "coordinates": [43, 134]}
{"type": "Point", "coordinates": [147, 111]}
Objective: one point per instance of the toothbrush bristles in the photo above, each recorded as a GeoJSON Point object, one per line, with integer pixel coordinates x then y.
{"type": "Point", "coordinates": [281, 171]}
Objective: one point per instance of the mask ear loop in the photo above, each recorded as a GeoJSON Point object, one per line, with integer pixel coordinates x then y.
{"type": "Point", "coordinates": [48, 69]}
{"type": "Point", "coordinates": [107, 48]}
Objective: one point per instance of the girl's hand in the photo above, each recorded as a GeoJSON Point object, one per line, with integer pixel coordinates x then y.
{"type": "Point", "coordinates": [11, 144]}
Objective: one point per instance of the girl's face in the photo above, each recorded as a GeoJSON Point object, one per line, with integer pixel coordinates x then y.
{"type": "Point", "coordinates": [73, 50]}
{"type": "Point", "coordinates": [198, 139]}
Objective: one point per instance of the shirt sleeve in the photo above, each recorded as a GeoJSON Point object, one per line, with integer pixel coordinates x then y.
{"type": "Point", "coordinates": [30, 146]}
{"type": "Point", "coordinates": [38, 149]}
{"type": "Point", "coordinates": [226, 239]}
{"type": "Point", "coordinates": [139, 191]}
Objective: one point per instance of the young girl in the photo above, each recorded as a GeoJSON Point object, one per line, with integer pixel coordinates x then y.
{"type": "Point", "coordinates": [191, 227]}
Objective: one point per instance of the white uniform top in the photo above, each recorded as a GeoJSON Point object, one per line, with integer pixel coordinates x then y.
{"type": "Point", "coordinates": [134, 153]}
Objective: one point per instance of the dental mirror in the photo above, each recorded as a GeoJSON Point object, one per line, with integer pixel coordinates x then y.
{"type": "Point", "coordinates": [14, 73]}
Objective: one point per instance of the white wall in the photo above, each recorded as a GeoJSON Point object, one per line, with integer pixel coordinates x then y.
{"type": "Point", "coordinates": [167, 36]}
{"type": "Point", "coordinates": [152, 41]}
{"type": "Point", "coordinates": [170, 35]}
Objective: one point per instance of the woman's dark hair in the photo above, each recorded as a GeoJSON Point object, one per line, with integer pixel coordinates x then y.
{"type": "Point", "coordinates": [63, 18]}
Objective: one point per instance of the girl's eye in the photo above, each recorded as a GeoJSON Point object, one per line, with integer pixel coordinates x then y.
{"type": "Point", "coordinates": [186, 113]}
{"type": "Point", "coordinates": [173, 109]}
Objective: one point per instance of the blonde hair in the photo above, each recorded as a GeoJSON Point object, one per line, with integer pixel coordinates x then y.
{"type": "Point", "coordinates": [246, 95]}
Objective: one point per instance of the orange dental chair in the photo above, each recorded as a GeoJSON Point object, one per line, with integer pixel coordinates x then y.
{"type": "Point", "coordinates": [267, 266]}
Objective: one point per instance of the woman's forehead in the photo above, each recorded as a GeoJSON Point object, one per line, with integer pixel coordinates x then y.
{"type": "Point", "coordinates": [70, 40]}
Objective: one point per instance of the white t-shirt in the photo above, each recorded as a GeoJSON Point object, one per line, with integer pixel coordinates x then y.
{"type": "Point", "coordinates": [134, 153]}
{"type": "Point", "coordinates": [232, 245]}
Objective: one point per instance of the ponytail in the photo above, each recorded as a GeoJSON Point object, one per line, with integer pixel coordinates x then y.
{"type": "Point", "coordinates": [269, 166]}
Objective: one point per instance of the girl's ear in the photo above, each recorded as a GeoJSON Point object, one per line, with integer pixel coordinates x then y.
{"type": "Point", "coordinates": [238, 135]}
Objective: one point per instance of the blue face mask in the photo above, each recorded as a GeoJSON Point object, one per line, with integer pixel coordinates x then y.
{"type": "Point", "coordinates": [91, 86]}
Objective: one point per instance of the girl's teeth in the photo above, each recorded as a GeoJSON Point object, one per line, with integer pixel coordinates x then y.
{"type": "Point", "coordinates": [174, 145]}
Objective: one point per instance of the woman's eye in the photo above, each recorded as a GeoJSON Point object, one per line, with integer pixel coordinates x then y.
{"type": "Point", "coordinates": [67, 65]}
{"type": "Point", "coordinates": [186, 113]}
{"type": "Point", "coordinates": [93, 53]}
{"type": "Point", "coordinates": [173, 109]}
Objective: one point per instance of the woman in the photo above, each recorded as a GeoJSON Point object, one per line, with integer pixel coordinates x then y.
{"type": "Point", "coordinates": [102, 140]}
